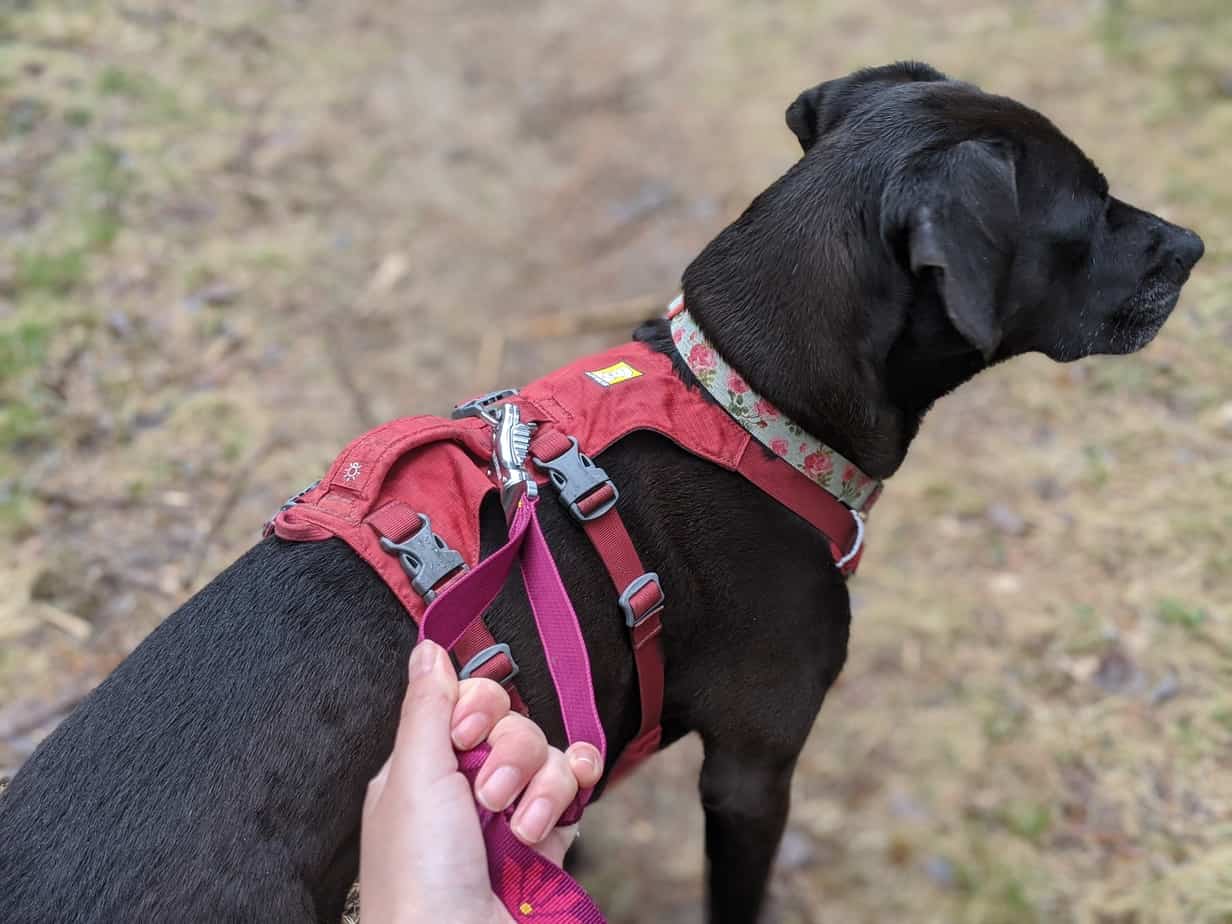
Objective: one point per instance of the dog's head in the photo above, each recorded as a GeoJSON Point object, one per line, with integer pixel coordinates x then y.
{"type": "Point", "coordinates": [929, 230]}
{"type": "Point", "coordinates": [996, 215]}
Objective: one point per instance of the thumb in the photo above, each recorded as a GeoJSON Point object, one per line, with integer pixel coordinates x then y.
{"type": "Point", "coordinates": [423, 751]}
{"type": "Point", "coordinates": [557, 844]}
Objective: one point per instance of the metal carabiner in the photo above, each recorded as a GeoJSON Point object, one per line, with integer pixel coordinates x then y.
{"type": "Point", "coordinates": [510, 447]}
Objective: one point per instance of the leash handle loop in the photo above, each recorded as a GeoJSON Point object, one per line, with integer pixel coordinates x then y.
{"type": "Point", "coordinates": [530, 887]}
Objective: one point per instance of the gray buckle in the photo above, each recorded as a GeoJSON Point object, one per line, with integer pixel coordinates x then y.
{"type": "Point", "coordinates": [425, 558]}
{"type": "Point", "coordinates": [287, 505]}
{"type": "Point", "coordinates": [632, 620]}
{"type": "Point", "coordinates": [575, 478]}
{"type": "Point", "coordinates": [483, 657]}
{"type": "Point", "coordinates": [479, 407]}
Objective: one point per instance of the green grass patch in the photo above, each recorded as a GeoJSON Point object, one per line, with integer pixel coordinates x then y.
{"type": "Point", "coordinates": [22, 426]}
{"type": "Point", "coordinates": [140, 88]}
{"type": "Point", "coordinates": [1114, 29]}
{"type": "Point", "coordinates": [22, 345]}
{"type": "Point", "coordinates": [1004, 720]}
{"type": "Point", "coordinates": [115, 81]}
{"type": "Point", "coordinates": [995, 891]}
{"type": "Point", "coordinates": [1098, 470]}
{"type": "Point", "coordinates": [52, 272]}
{"type": "Point", "coordinates": [1029, 820]}
{"type": "Point", "coordinates": [106, 181]}
{"type": "Point", "coordinates": [78, 116]}
{"type": "Point", "coordinates": [1084, 631]}
{"type": "Point", "coordinates": [1173, 612]}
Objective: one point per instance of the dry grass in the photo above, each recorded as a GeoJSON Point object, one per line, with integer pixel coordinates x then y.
{"type": "Point", "coordinates": [240, 229]}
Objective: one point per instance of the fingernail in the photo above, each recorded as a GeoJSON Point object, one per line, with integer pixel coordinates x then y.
{"type": "Point", "coordinates": [423, 658]}
{"type": "Point", "coordinates": [498, 790]}
{"type": "Point", "coordinates": [585, 758]}
{"type": "Point", "coordinates": [469, 732]}
{"type": "Point", "coordinates": [534, 821]}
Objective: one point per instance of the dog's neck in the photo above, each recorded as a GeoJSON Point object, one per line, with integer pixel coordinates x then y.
{"type": "Point", "coordinates": [802, 339]}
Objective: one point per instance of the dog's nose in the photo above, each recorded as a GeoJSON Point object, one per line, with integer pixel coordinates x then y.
{"type": "Point", "coordinates": [1187, 249]}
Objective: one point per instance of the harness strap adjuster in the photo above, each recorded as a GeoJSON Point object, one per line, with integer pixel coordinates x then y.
{"type": "Point", "coordinates": [425, 558]}
{"type": "Point", "coordinates": [639, 610]}
{"type": "Point", "coordinates": [584, 488]}
{"type": "Point", "coordinates": [483, 657]}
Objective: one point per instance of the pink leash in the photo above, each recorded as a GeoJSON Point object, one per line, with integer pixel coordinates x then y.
{"type": "Point", "coordinates": [529, 886]}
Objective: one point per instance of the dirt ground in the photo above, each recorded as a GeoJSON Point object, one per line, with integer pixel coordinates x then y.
{"type": "Point", "coordinates": [239, 233]}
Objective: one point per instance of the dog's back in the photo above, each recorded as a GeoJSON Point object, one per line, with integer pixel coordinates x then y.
{"type": "Point", "coordinates": [194, 776]}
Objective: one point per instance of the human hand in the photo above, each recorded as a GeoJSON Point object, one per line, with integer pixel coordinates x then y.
{"type": "Point", "coordinates": [422, 853]}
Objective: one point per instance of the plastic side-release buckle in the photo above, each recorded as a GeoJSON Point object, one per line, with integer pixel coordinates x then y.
{"type": "Point", "coordinates": [425, 558]}
{"type": "Point", "coordinates": [483, 657]}
{"type": "Point", "coordinates": [639, 607]}
{"type": "Point", "coordinates": [577, 480]}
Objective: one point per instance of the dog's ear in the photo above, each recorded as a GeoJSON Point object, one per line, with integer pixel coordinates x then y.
{"type": "Point", "coordinates": [963, 227]}
{"type": "Point", "coordinates": [818, 110]}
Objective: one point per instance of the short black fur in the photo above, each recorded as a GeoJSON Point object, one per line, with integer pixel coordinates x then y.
{"type": "Point", "coordinates": [928, 231]}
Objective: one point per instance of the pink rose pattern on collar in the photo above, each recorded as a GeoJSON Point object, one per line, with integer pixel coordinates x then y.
{"type": "Point", "coordinates": [768, 425]}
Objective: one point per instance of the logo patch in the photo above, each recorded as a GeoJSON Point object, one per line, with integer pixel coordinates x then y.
{"type": "Point", "coordinates": [614, 374]}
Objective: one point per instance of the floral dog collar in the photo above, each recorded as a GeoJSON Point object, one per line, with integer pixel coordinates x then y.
{"type": "Point", "coordinates": [769, 426]}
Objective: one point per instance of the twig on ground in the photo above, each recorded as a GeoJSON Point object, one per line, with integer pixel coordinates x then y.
{"type": "Point", "coordinates": [235, 490]}
{"type": "Point", "coordinates": [488, 358]}
{"type": "Point", "coordinates": [611, 316]}
{"type": "Point", "coordinates": [65, 621]}
{"type": "Point", "coordinates": [346, 377]}
{"type": "Point", "coordinates": [36, 716]}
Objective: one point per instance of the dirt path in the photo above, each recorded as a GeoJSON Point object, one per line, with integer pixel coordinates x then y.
{"type": "Point", "coordinates": [242, 232]}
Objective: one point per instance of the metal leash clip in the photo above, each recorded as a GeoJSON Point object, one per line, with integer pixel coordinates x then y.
{"type": "Point", "coordinates": [510, 447]}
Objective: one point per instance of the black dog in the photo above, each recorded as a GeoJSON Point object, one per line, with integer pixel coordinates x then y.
{"type": "Point", "coordinates": [929, 230]}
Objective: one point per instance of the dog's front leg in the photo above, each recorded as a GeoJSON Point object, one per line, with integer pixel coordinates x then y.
{"type": "Point", "coordinates": [746, 798]}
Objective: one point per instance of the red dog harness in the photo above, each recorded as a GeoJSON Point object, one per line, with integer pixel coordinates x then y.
{"type": "Point", "coordinates": [406, 497]}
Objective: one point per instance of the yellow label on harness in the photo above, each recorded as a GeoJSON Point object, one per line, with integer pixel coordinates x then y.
{"type": "Point", "coordinates": [614, 375]}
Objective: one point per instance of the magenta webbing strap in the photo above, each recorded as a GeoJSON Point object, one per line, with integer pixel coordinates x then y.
{"type": "Point", "coordinates": [560, 635]}
{"type": "Point", "coordinates": [467, 597]}
{"type": "Point", "coordinates": [530, 887]}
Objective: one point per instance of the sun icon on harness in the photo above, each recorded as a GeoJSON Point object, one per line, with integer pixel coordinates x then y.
{"type": "Point", "coordinates": [352, 471]}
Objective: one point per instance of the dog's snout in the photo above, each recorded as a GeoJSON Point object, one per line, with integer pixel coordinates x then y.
{"type": "Point", "coordinates": [1187, 249]}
